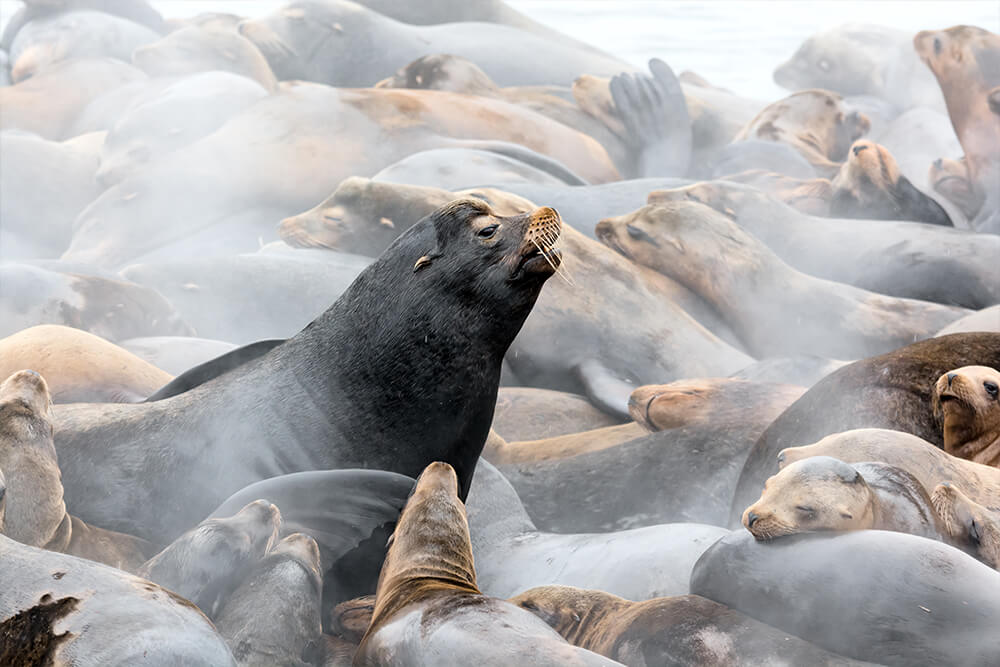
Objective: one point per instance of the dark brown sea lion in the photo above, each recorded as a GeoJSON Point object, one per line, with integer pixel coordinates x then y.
{"type": "Point", "coordinates": [869, 185]}
{"type": "Point", "coordinates": [774, 308]}
{"type": "Point", "coordinates": [971, 525]}
{"type": "Point", "coordinates": [204, 49]}
{"type": "Point", "coordinates": [427, 605]}
{"type": "Point", "coordinates": [49, 103]}
{"type": "Point", "coordinates": [80, 367]}
{"type": "Point", "coordinates": [929, 464]}
{"type": "Point", "coordinates": [823, 493]}
{"type": "Point", "coordinates": [274, 615]}
{"type": "Point", "coordinates": [891, 391]}
{"type": "Point", "coordinates": [446, 299]}
{"type": "Point", "coordinates": [817, 123]}
{"type": "Point", "coordinates": [897, 258]}
{"type": "Point", "coordinates": [682, 630]}
{"type": "Point", "coordinates": [704, 400]}
{"type": "Point", "coordinates": [526, 413]}
{"type": "Point", "coordinates": [36, 514]}
{"type": "Point", "coordinates": [111, 309]}
{"type": "Point", "coordinates": [967, 403]}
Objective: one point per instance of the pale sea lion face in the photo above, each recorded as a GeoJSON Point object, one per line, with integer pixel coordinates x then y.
{"type": "Point", "coordinates": [816, 494]}
{"type": "Point", "coordinates": [971, 525]}
{"type": "Point", "coordinates": [831, 61]}
{"type": "Point", "coordinates": [957, 51]}
{"type": "Point", "coordinates": [966, 401]}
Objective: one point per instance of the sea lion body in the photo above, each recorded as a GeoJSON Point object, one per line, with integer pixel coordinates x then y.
{"type": "Point", "coordinates": [427, 606]}
{"type": "Point", "coordinates": [987, 319]}
{"type": "Point", "coordinates": [873, 595]}
{"type": "Point", "coordinates": [526, 413]}
{"type": "Point", "coordinates": [436, 168]}
{"type": "Point", "coordinates": [967, 402]}
{"type": "Point", "coordinates": [562, 446]}
{"type": "Point", "coordinates": [822, 493]}
{"type": "Point", "coordinates": [512, 555]}
{"type": "Point", "coordinates": [80, 367]}
{"type": "Point", "coordinates": [241, 415]}
{"type": "Point", "coordinates": [137, 11]}
{"type": "Point", "coordinates": [891, 391]}
{"type": "Point", "coordinates": [685, 629]}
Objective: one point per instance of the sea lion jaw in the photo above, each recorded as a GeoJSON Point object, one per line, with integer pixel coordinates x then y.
{"type": "Point", "coordinates": [972, 526]}
{"type": "Point", "coordinates": [967, 403]}
{"type": "Point", "coordinates": [815, 494]}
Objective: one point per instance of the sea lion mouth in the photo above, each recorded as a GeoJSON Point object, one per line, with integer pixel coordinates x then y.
{"type": "Point", "coordinates": [539, 262]}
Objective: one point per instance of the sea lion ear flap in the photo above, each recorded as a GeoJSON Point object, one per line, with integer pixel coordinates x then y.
{"type": "Point", "coordinates": [426, 260]}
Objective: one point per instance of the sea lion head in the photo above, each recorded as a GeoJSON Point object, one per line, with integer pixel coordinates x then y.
{"type": "Point", "coordinates": [814, 494]}
{"type": "Point", "coordinates": [967, 404]}
{"type": "Point", "coordinates": [811, 196]}
{"type": "Point", "coordinates": [869, 185]}
{"type": "Point", "coordinates": [836, 60]}
{"type": "Point", "coordinates": [205, 563]}
{"type": "Point", "coordinates": [960, 55]}
{"type": "Point", "coordinates": [731, 199]}
{"type": "Point", "coordinates": [972, 526]}
{"type": "Point", "coordinates": [570, 611]}
{"type": "Point", "coordinates": [442, 71]}
{"type": "Point", "coordinates": [950, 178]}
{"type": "Point", "coordinates": [35, 510]}
{"type": "Point", "coordinates": [350, 619]}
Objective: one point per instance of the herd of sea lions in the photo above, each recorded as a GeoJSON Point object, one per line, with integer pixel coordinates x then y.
{"type": "Point", "coordinates": [396, 333]}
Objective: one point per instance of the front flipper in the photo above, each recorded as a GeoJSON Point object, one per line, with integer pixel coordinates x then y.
{"type": "Point", "coordinates": [656, 119]}
{"type": "Point", "coordinates": [604, 388]}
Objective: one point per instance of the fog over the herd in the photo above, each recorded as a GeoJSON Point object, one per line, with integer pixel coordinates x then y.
{"type": "Point", "coordinates": [499, 332]}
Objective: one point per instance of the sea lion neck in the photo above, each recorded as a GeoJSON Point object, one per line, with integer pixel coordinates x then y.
{"type": "Point", "coordinates": [582, 623]}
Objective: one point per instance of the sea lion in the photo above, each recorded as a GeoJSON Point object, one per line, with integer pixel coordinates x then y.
{"type": "Point", "coordinates": [70, 610]}
{"type": "Point", "coordinates": [773, 307]}
{"type": "Point", "coordinates": [817, 123]}
{"type": "Point", "coordinates": [901, 259]}
{"type": "Point", "coordinates": [176, 354]}
{"type": "Point", "coordinates": [48, 104]}
{"type": "Point", "coordinates": [598, 281]}
{"type": "Point", "coordinates": [704, 400]}
{"type": "Point", "coordinates": [821, 493]}
{"type": "Point", "coordinates": [213, 368]}
{"type": "Point", "coordinates": [500, 451]}
{"type": "Point", "coordinates": [803, 370]}
{"type": "Point", "coordinates": [75, 35]}
{"type": "Point", "coordinates": [987, 319]}
{"type": "Point", "coordinates": [111, 309]}
{"type": "Point", "coordinates": [869, 185]}
{"type": "Point", "coordinates": [686, 629]}
{"type": "Point", "coordinates": [966, 401]}
{"type": "Point", "coordinates": [303, 40]}
{"type": "Point", "coordinates": [810, 196]}
{"type": "Point", "coordinates": [180, 114]}
{"type": "Point", "coordinates": [972, 526]}
{"type": "Point", "coordinates": [204, 49]}
{"type": "Point", "coordinates": [36, 514]}
{"type": "Point", "coordinates": [206, 182]}
{"type": "Point", "coordinates": [513, 555]}
{"type": "Point", "coordinates": [44, 185]}
{"type": "Point", "coordinates": [950, 179]}
{"type": "Point", "coordinates": [929, 464]}
{"type": "Point", "coordinates": [881, 596]}
{"type": "Point", "coordinates": [891, 391]}
{"type": "Point", "coordinates": [417, 301]}
{"type": "Point", "coordinates": [206, 563]}
{"type": "Point", "coordinates": [275, 613]}
{"type": "Point", "coordinates": [966, 62]}
{"type": "Point", "coordinates": [526, 413]}
{"type": "Point", "coordinates": [428, 608]}
{"type": "Point", "coordinates": [138, 11]}
{"type": "Point", "coordinates": [80, 367]}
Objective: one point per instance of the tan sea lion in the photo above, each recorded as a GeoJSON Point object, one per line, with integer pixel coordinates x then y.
{"type": "Point", "coordinates": [987, 319]}
{"type": "Point", "coordinates": [823, 493]}
{"type": "Point", "coordinates": [970, 524]}
{"type": "Point", "coordinates": [427, 606]}
{"type": "Point", "coordinates": [966, 401]}
{"type": "Point", "coordinates": [811, 196]}
{"type": "Point", "coordinates": [681, 630]}
{"type": "Point", "coordinates": [815, 122]}
{"type": "Point", "coordinates": [950, 178]}
{"type": "Point", "coordinates": [36, 514]}
{"type": "Point", "coordinates": [774, 308]}
{"type": "Point", "coordinates": [930, 465]}
{"type": "Point", "coordinates": [80, 367]}
{"type": "Point", "coordinates": [870, 186]}
{"type": "Point", "coordinates": [526, 413]}
{"type": "Point", "coordinates": [562, 446]}
{"type": "Point", "coordinates": [704, 400]}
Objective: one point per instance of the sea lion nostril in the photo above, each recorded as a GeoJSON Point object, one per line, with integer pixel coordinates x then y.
{"type": "Point", "coordinates": [857, 149]}
{"type": "Point", "coordinates": [951, 376]}
{"type": "Point", "coordinates": [752, 519]}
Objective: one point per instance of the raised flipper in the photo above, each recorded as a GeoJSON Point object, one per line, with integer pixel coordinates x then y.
{"type": "Point", "coordinates": [604, 389]}
{"type": "Point", "coordinates": [656, 119]}
{"type": "Point", "coordinates": [213, 368]}
{"type": "Point", "coordinates": [915, 205]}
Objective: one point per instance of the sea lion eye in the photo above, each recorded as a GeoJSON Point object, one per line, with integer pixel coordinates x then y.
{"type": "Point", "coordinates": [991, 389]}
{"type": "Point", "coordinates": [824, 65]}
{"type": "Point", "coordinates": [937, 46]}
{"type": "Point", "coordinates": [805, 510]}
{"type": "Point", "coordinates": [488, 232]}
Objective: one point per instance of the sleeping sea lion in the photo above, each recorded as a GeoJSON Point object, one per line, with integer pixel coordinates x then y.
{"type": "Point", "coordinates": [527, 413]}
{"type": "Point", "coordinates": [967, 403]}
{"type": "Point", "coordinates": [971, 525]}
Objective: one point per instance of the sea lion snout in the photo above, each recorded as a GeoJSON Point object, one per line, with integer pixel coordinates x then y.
{"type": "Point", "coordinates": [751, 519]}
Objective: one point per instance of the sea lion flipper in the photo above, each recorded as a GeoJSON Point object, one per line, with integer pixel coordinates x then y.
{"type": "Point", "coordinates": [213, 368]}
{"type": "Point", "coordinates": [604, 389]}
{"type": "Point", "coordinates": [654, 112]}
{"type": "Point", "coordinates": [915, 205]}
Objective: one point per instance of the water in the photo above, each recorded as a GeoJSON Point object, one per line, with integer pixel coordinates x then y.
{"type": "Point", "coordinates": [735, 44]}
